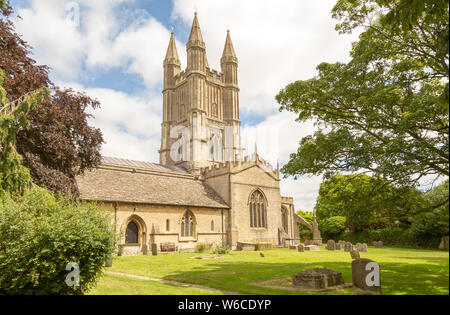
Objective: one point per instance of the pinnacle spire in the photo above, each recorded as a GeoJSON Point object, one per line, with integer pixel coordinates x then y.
{"type": "Point", "coordinates": [172, 53]}
{"type": "Point", "coordinates": [228, 50]}
{"type": "Point", "coordinates": [196, 38]}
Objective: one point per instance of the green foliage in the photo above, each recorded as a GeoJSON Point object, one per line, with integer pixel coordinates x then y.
{"type": "Point", "coordinates": [333, 226]}
{"type": "Point", "coordinates": [366, 202]}
{"type": "Point", "coordinates": [391, 237]}
{"type": "Point", "coordinates": [13, 176]}
{"type": "Point", "coordinates": [221, 250]}
{"type": "Point", "coordinates": [40, 234]}
{"type": "Point", "coordinates": [304, 232]}
{"type": "Point", "coordinates": [387, 110]}
{"type": "Point", "coordinates": [4, 4]}
{"type": "Point", "coordinates": [436, 221]}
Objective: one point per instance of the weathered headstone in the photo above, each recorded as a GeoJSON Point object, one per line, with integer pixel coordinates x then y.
{"type": "Point", "coordinates": [378, 244]}
{"type": "Point", "coordinates": [362, 248]}
{"type": "Point", "coordinates": [331, 245]}
{"type": "Point", "coordinates": [109, 263]}
{"type": "Point", "coordinates": [444, 243]}
{"type": "Point", "coordinates": [337, 246]}
{"type": "Point", "coordinates": [155, 249]}
{"type": "Point", "coordinates": [355, 254]}
{"type": "Point", "coordinates": [366, 276]}
{"type": "Point", "coordinates": [145, 249]}
{"type": "Point", "coordinates": [300, 248]}
{"type": "Point", "coordinates": [348, 247]}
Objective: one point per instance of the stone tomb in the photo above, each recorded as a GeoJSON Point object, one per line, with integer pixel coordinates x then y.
{"type": "Point", "coordinates": [312, 248]}
{"type": "Point", "coordinates": [318, 279]}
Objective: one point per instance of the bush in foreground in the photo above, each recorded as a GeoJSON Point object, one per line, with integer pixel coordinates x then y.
{"type": "Point", "coordinates": [40, 234]}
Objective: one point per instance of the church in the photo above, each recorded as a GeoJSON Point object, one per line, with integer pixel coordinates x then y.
{"type": "Point", "coordinates": [204, 191]}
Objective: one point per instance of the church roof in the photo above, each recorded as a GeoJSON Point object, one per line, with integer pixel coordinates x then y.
{"type": "Point", "coordinates": [119, 180]}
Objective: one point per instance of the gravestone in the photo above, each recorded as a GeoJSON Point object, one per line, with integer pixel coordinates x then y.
{"type": "Point", "coordinates": [331, 245]}
{"type": "Point", "coordinates": [362, 248]}
{"type": "Point", "coordinates": [155, 249]}
{"type": "Point", "coordinates": [355, 255]}
{"type": "Point", "coordinates": [318, 279]}
{"type": "Point", "coordinates": [337, 246]}
{"type": "Point", "coordinates": [109, 263]}
{"type": "Point", "coordinates": [378, 244]}
{"type": "Point", "coordinates": [444, 243]}
{"type": "Point", "coordinates": [300, 248]}
{"type": "Point", "coordinates": [366, 277]}
{"type": "Point", "coordinates": [348, 247]}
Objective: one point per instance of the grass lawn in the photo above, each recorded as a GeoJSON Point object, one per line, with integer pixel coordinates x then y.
{"type": "Point", "coordinates": [403, 271]}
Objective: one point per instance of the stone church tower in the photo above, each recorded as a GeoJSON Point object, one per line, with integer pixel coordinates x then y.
{"type": "Point", "coordinates": [201, 123]}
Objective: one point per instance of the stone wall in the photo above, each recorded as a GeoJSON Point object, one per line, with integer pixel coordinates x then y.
{"type": "Point", "coordinates": [152, 220]}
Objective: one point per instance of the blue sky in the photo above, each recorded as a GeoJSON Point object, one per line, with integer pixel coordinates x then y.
{"type": "Point", "coordinates": [115, 54]}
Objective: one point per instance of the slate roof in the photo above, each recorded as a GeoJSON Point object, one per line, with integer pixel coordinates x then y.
{"type": "Point", "coordinates": [119, 180]}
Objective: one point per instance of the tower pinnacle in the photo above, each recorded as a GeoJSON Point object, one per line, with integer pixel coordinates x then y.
{"type": "Point", "coordinates": [172, 53]}
{"type": "Point", "coordinates": [196, 38]}
{"type": "Point", "coordinates": [228, 50]}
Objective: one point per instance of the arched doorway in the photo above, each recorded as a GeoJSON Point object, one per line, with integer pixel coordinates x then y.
{"type": "Point", "coordinates": [132, 233]}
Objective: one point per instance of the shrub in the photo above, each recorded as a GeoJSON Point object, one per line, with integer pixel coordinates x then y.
{"type": "Point", "coordinates": [40, 234]}
{"type": "Point", "coordinates": [203, 247]}
{"type": "Point", "coordinates": [221, 250]}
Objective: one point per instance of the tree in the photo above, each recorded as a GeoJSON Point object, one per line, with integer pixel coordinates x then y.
{"type": "Point", "coordinates": [366, 202]}
{"type": "Point", "coordinates": [60, 144]}
{"type": "Point", "coordinates": [333, 226]}
{"type": "Point", "coordinates": [386, 111]}
{"type": "Point", "coordinates": [436, 221]}
{"type": "Point", "coordinates": [14, 177]}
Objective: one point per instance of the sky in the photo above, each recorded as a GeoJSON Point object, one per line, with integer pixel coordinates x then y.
{"type": "Point", "coordinates": [114, 49]}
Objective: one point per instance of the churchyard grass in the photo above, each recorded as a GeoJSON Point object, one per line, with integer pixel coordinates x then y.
{"type": "Point", "coordinates": [403, 271]}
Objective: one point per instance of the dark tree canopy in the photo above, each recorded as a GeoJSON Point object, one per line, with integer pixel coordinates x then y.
{"type": "Point", "coordinates": [59, 144]}
{"type": "Point", "coordinates": [386, 111]}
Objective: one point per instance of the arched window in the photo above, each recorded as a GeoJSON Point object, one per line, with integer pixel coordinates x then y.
{"type": "Point", "coordinates": [132, 234]}
{"type": "Point", "coordinates": [258, 210]}
{"type": "Point", "coordinates": [187, 225]}
{"type": "Point", "coordinates": [284, 219]}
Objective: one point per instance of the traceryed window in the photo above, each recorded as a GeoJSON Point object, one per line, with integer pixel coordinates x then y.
{"type": "Point", "coordinates": [187, 225]}
{"type": "Point", "coordinates": [258, 209]}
